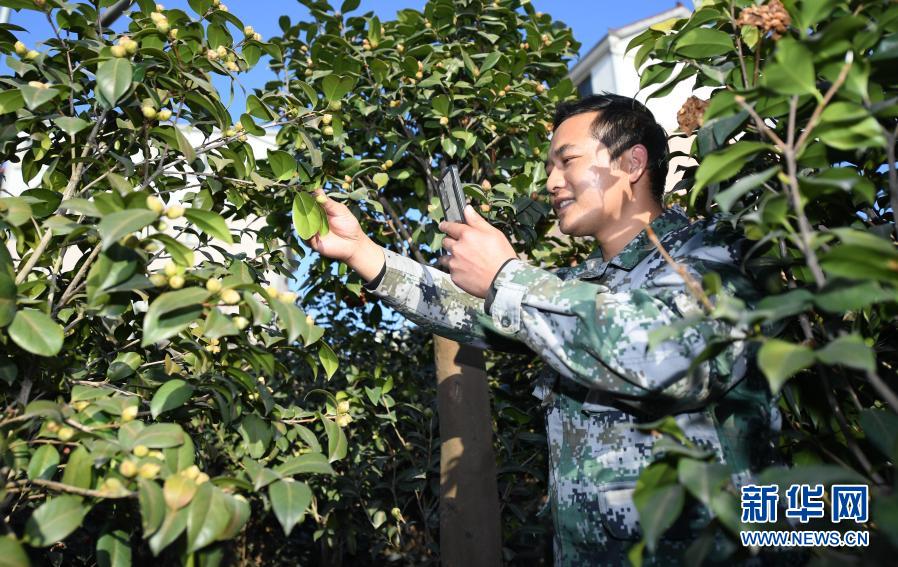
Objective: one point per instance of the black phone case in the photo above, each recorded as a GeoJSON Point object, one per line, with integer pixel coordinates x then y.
{"type": "Point", "coordinates": [451, 195]}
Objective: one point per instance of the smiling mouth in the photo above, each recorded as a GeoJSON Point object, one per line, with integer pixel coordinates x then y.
{"type": "Point", "coordinates": [561, 205]}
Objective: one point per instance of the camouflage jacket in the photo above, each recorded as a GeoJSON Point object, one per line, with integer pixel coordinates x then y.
{"type": "Point", "coordinates": [591, 325]}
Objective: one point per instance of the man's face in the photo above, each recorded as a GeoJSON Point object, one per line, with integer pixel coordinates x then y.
{"type": "Point", "coordinates": [588, 190]}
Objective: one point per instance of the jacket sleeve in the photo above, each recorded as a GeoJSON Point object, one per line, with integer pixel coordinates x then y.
{"type": "Point", "coordinates": [600, 339]}
{"type": "Point", "coordinates": [428, 297]}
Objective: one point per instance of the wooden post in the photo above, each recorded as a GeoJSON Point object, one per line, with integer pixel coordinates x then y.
{"type": "Point", "coordinates": [470, 534]}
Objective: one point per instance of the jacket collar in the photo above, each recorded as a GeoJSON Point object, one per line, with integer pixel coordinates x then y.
{"type": "Point", "coordinates": [672, 219]}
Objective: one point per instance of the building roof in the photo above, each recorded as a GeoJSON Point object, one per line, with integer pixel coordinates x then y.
{"type": "Point", "coordinates": [583, 67]}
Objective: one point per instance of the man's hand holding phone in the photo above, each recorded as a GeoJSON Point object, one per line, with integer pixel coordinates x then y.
{"type": "Point", "coordinates": [477, 250]}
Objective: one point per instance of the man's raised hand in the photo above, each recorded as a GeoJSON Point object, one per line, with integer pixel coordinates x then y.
{"type": "Point", "coordinates": [346, 241]}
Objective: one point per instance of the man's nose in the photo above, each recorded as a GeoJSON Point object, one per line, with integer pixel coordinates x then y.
{"type": "Point", "coordinates": [555, 181]}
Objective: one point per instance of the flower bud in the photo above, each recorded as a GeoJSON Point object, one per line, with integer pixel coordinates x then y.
{"type": "Point", "coordinates": [230, 296]}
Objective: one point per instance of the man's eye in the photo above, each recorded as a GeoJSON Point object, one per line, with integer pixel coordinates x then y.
{"type": "Point", "coordinates": [567, 159]}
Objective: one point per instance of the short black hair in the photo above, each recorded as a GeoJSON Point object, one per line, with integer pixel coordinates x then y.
{"type": "Point", "coordinates": [622, 123]}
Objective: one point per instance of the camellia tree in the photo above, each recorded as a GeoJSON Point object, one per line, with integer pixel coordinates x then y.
{"type": "Point", "coordinates": [468, 83]}
{"type": "Point", "coordinates": [796, 148]}
{"type": "Point", "coordinates": [144, 366]}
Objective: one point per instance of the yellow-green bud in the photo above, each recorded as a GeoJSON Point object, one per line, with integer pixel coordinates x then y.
{"type": "Point", "coordinates": [164, 114]}
{"type": "Point", "coordinates": [20, 48]}
{"type": "Point", "coordinates": [32, 54]}
{"type": "Point", "coordinates": [327, 119]}
{"type": "Point", "coordinates": [158, 280]}
{"type": "Point", "coordinates": [119, 51]}
{"type": "Point", "coordinates": [191, 472]}
{"type": "Point", "coordinates": [241, 322]}
{"type": "Point", "coordinates": [171, 269]}
{"type": "Point", "coordinates": [130, 412]}
{"type": "Point", "coordinates": [65, 433]}
{"type": "Point", "coordinates": [148, 112]}
{"type": "Point", "coordinates": [140, 451]}
{"type": "Point", "coordinates": [248, 31]}
{"type": "Point", "coordinates": [230, 296]}
{"type": "Point", "coordinates": [174, 212]}
{"type": "Point", "coordinates": [176, 282]}
{"type": "Point", "coordinates": [149, 470]}
{"type": "Point", "coordinates": [155, 204]}
{"type": "Point", "coordinates": [128, 469]}
{"type": "Point", "coordinates": [213, 285]}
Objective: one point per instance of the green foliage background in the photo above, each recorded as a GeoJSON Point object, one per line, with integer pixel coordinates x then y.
{"type": "Point", "coordinates": [149, 412]}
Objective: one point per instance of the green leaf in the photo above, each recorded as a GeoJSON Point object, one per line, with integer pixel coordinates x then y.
{"type": "Point", "coordinates": [207, 516]}
{"type": "Point", "coordinates": [881, 428]}
{"type": "Point", "coordinates": [71, 125]}
{"type": "Point", "coordinates": [726, 199]}
{"type": "Point", "coordinates": [256, 435]}
{"type": "Point", "coordinates": [336, 440]}
{"type": "Point", "coordinates": [79, 469]}
{"type": "Point", "coordinates": [113, 80]}
{"type": "Point", "coordinates": [185, 146]}
{"type": "Point", "coordinates": [380, 179]}
{"type": "Point", "coordinates": [779, 360]}
{"type": "Point", "coordinates": [289, 500]}
{"type": "Point", "coordinates": [704, 42]}
{"type": "Point", "coordinates": [238, 515]}
{"type": "Point", "coordinates": [35, 97]}
{"type": "Point", "coordinates": [290, 318]}
{"type": "Point", "coordinates": [122, 223]}
{"type": "Point", "coordinates": [114, 549]}
{"type": "Point", "coordinates": [11, 101]}
{"type": "Point", "coordinates": [211, 223]}
{"type": "Point", "coordinates": [305, 463]}
{"type": "Point", "coordinates": [43, 463]}
{"type": "Point", "coordinates": [793, 71]}
{"type": "Point", "coordinates": [726, 163]}
{"type": "Point", "coordinates": [307, 217]}
{"type": "Point", "coordinates": [8, 289]}
{"type": "Point", "coordinates": [702, 479]}
{"type": "Point", "coordinates": [283, 165]}
{"type": "Point", "coordinates": [54, 520]}
{"type": "Point", "coordinates": [171, 528]}
{"type": "Point", "coordinates": [36, 332]}
{"type": "Point", "coordinates": [658, 509]}
{"type": "Point", "coordinates": [160, 436]}
{"type": "Point", "coordinates": [328, 359]}
{"type": "Point", "coordinates": [171, 312]}
{"type": "Point", "coordinates": [180, 254]}
{"type": "Point", "coordinates": [850, 351]}
{"type": "Point", "coordinates": [219, 325]}
{"type": "Point", "coordinates": [11, 553]}
{"type": "Point", "coordinates": [171, 395]}
{"type": "Point", "coordinates": [152, 506]}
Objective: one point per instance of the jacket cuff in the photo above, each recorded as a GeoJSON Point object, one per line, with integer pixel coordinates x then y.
{"type": "Point", "coordinates": [491, 293]}
{"type": "Point", "coordinates": [506, 307]}
{"type": "Point", "coordinates": [375, 281]}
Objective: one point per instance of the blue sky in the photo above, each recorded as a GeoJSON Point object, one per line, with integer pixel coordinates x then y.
{"type": "Point", "coordinates": [590, 20]}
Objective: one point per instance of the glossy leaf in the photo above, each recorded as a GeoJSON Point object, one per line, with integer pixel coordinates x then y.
{"type": "Point", "coordinates": [54, 520]}
{"type": "Point", "coordinates": [36, 332]}
{"type": "Point", "coordinates": [169, 396]}
{"type": "Point", "coordinates": [289, 500]}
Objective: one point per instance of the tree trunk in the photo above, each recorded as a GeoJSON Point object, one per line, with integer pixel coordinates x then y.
{"type": "Point", "coordinates": [469, 496]}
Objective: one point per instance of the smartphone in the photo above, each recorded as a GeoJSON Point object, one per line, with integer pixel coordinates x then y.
{"type": "Point", "coordinates": [451, 195]}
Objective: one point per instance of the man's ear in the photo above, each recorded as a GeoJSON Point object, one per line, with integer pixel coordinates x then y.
{"type": "Point", "coordinates": [636, 161]}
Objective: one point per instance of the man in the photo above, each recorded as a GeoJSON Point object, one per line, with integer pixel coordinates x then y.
{"type": "Point", "coordinates": [591, 323]}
